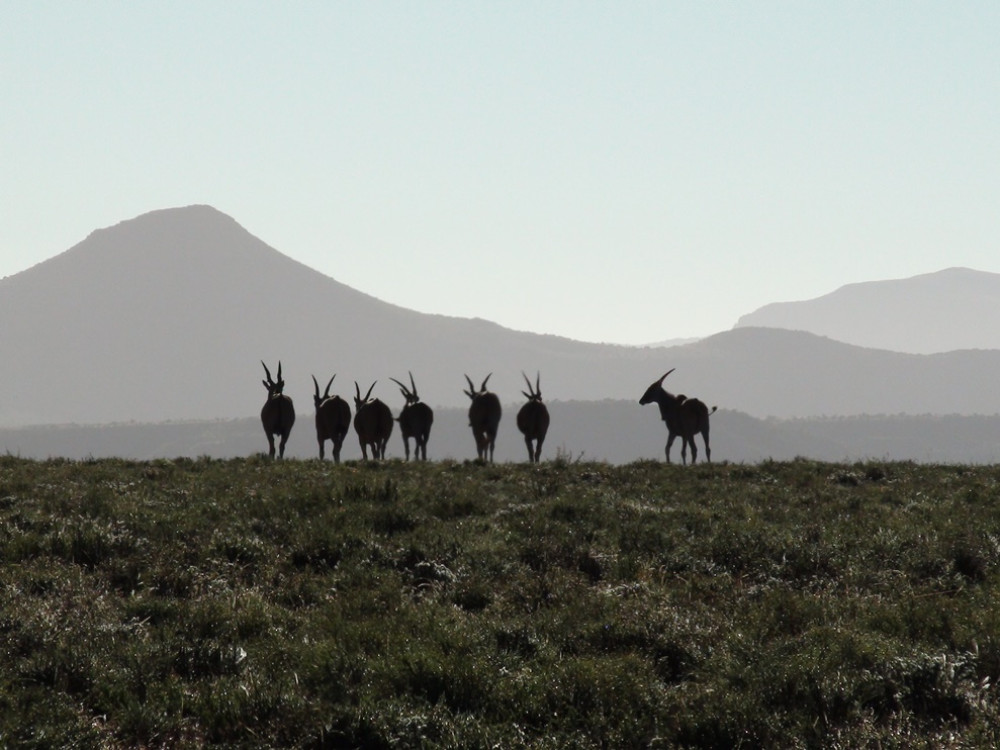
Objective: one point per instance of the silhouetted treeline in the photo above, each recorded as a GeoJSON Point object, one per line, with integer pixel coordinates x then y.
{"type": "Point", "coordinates": [612, 431]}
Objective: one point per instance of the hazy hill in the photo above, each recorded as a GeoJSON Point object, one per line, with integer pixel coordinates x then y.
{"type": "Point", "coordinates": [167, 316]}
{"type": "Point", "coordinates": [779, 373]}
{"type": "Point", "coordinates": [957, 308]}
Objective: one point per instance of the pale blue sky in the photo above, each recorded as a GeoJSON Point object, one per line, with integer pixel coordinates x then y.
{"type": "Point", "coordinates": [625, 172]}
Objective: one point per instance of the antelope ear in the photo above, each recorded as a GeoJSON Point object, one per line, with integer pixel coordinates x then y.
{"type": "Point", "coordinates": [527, 395]}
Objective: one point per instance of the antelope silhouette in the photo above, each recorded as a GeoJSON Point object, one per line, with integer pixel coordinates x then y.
{"type": "Point", "coordinates": [484, 418]}
{"type": "Point", "coordinates": [333, 419]}
{"type": "Point", "coordinates": [683, 416]}
{"type": "Point", "coordinates": [415, 420]}
{"type": "Point", "coordinates": [373, 423]}
{"type": "Point", "coordinates": [278, 414]}
{"type": "Point", "coordinates": [533, 419]}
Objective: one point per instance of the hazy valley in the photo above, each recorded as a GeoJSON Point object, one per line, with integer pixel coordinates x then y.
{"type": "Point", "coordinates": [165, 318]}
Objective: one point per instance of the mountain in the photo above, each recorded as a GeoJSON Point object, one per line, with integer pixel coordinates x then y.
{"type": "Point", "coordinates": [667, 343]}
{"type": "Point", "coordinates": [957, 308]}
{"type": "Point", "coordinates": [770, 372]}
{"type": "Point", "coordinates": [167, 316]}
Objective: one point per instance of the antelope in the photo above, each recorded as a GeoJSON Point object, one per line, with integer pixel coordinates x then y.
{"type": "Point", "coordinates": [415, 420]}
{"type": "Point", "coordinates": [373, 423]}
{"type": "Point", "coordinates": [277, 414]}
{"type": "Point", "coordinates": [333, 419]}
{"type": "Point", "coordinates": [533, 419]}
{"type": "Point", "coordinates": [684, 416]}
{"type": "Point", "coordinates": [484, 417]}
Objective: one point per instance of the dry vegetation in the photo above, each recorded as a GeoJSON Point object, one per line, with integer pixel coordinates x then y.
{"type": "Point", "coordinates": [253, 603]}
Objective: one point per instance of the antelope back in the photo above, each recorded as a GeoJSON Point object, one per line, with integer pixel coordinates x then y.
{"type": "Point", "coordinates": [333, 416]}
{"type": "Point", "coordinates": [381, 418]}
{"type": "Point", "coordinates": [533, 419]}
{"type": "Point", "coordinates": [485, 411]}
{"type": "Point", "coordinates": [416, 419]}
{"type": "Point", "coordinates": [372, 418]}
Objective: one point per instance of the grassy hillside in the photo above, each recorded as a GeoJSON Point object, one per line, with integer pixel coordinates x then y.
{"type": "Point", "coordinates": [248, 603]}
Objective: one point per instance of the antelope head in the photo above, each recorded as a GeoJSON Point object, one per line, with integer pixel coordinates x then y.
{"type": "Point", "coordinates": [536, 394]}
{"type": "Point", "coordinates": [358, 401]}
{"type": "Point", "coordinates": [472, 392]}
{"type": "Point", "coordinates": [410, 394]}
{"type": "Point", "coordinates": [317, 399]}
{"type": "Point", "coordinates": [274, 388]}
{"type": "Point", "coordinates": [650, 395]}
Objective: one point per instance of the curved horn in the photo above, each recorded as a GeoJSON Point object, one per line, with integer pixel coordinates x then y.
{"type": "Point", "coordinates": [660, 381]}
{"type": "Point", "coordinates": [530, 393]}
{"type": "Point", "coordinates": [483, 387]}
{"type": "Point", "coordinates": [317, 386]}
{"type": "Point", "coordinates": [370, 391]}
{"type": "Point", "coordinates": [268, 372]}
{"type": "Point", "coordinates": [326, 393]}
{"type": "Point", "coordinates": [357, 391]}
{"type": "Point", "coordinates": [402, 388]}
{"type": "Point", "coordinates": [414, 385]}
{"type": "Point", "coordinates": [279, 370]}
{"type": "Point", "coordinates": [472, 388]}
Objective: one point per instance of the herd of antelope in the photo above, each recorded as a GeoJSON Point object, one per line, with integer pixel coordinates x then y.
{"type": "Point", "coordinates": [373, 421]}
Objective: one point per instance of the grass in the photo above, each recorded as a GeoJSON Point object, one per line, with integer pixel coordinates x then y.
{"type": "Point", "coordinates": [250, 603]}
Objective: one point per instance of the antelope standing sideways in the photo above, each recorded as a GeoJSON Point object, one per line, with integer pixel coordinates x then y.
{"type": "Point", "coordinates": [373, 423]}
{"type": "Point", "coordinates": [415, 420]}
{"type": "Point", "coordinates": [278, 413]}
{"type": "Point", "coordinates": [684, 416]}
{"type": "Point", "coordinates": [533, 419]}
{"type": "Point", "coordinates": [333, 419]}
{"type": "Point", "coordinates": [484, 417]}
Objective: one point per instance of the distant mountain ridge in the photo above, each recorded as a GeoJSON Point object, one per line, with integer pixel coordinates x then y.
{"type": "Point", "coordinates": [166, 317]}
{"type": "Point", "coordinates": [953, 309]}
